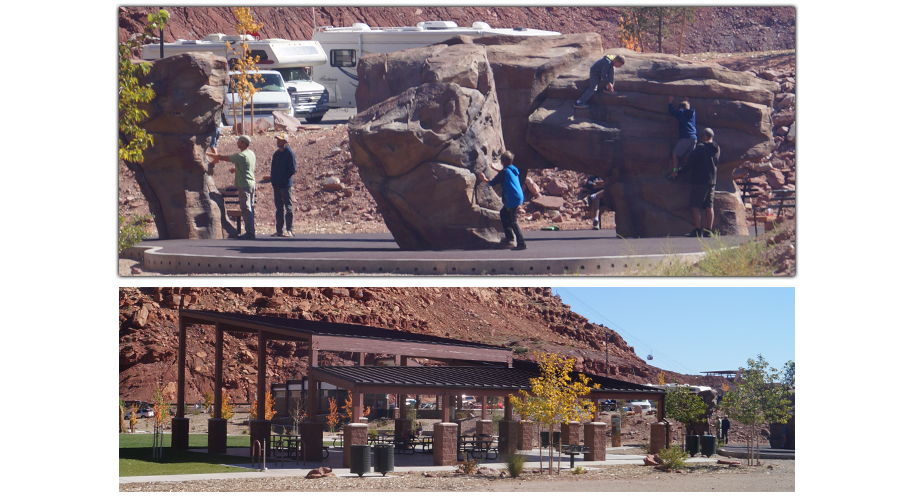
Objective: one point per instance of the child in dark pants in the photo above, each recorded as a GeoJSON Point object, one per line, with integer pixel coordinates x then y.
{"type": "Point", "coordinates": [508, 178]}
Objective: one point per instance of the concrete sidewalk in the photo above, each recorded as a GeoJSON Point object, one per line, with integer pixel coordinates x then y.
{"type": "Point", "coordinates": [578, 252]}
{"type": "Point", "coordinates": [418, 462]}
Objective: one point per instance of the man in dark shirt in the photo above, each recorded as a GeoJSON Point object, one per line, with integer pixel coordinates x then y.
{"type": "Point", "coordinates": [687, 130]}
{"type": "Point", "coordinates": [283, 169]}
{"type": "Point", "coordinates": [702, 164]}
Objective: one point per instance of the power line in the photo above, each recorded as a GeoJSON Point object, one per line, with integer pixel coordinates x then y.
{"type": "Point", "coordinates": [623, 332]}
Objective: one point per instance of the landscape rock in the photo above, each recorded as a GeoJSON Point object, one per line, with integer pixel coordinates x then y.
{"type": "Point", "coordinates": [549, 202]}
{"type": "Point", "coordinates": [428, 121]}
{"type": "Point", "coordinates": [285, 122]}
{"type": "Point", "coordinates": [652, 460]}
{"type": "Point", "coordinates": [319, 473]}
{"type": "Point", "coordinates": [557, 187]}
{"type": "Point", "coordinates": [174, 177]}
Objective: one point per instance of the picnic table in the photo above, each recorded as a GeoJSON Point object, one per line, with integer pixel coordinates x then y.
{"type": "Point", "coordinates": [481, 444]}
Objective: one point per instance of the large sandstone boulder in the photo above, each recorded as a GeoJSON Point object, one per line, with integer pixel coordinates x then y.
{"type": "Point", "coordinates": [625, 138]}
{"type": "Point", "coordinates": [429, 120]}
{"type": "Point", "coordinates": [182, 120]}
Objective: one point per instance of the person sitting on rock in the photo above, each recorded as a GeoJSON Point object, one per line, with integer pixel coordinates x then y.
{"type": "Point", "coordinates": [603, 73]}
{"type": "Point", "coordinates": [244, 170]}
{"type": "Point", "coordinates": [687, 130]}
{"type": "Point", "coordinates": [702, 164]}
{"type": "Point", "coordinates": [508, 177]}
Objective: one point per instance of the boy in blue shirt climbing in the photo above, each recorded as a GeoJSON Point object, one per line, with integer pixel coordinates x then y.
{"type": "Point", "coordinates": [508, 178]}
{"type": "Point", "coordinates": [687, 130]}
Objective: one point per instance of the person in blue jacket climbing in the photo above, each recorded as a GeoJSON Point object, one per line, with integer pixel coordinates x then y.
{"type": "Point", "coordinates": [508, 178]}
{"type": "Point", "coordinates": [603, 76]}
{"type": "Point", "coordinates": [687, 130]}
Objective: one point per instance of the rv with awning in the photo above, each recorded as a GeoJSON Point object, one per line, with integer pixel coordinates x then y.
{"type": "Point", "coordinates": [344, 47]}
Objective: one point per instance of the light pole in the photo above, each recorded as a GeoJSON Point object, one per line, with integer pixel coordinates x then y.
{"type": "Point", "coordinates": [607, 354]}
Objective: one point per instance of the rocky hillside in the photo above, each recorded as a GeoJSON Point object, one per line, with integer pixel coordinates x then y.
{"type": "Point", "coordinates": [715, 29]}
{"type": "Point", "coordinates": [524, 319]}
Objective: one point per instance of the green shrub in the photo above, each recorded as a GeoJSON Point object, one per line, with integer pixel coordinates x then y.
{"type": "Point", "coordinates": [133, 231]}
{"type": "Point", "coordinates": [579, 470]}
{"type": "Point", "coordinates": [673, 458]}
{"type": "Point", "coordinates": [515, 463]}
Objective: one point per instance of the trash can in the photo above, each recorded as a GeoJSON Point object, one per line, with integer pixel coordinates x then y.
{"type": "Point", "coordinates": [708, 445]}
{"type": "Point", "coordinates": [360, 459]}
{"type": "Point", "coordinates": [384, 458]}
{"type": "Point", "coordinates": [692, 445]}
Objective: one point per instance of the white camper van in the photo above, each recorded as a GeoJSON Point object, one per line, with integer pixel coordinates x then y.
{"type": "Point", "coordinates": [291, 58]}
{"type": "Point", "coordinates": [344, 47]}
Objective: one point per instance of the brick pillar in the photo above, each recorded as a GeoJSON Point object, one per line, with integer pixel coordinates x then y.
{"type": "Point", "coordinates": [484, 427]}
{"type": "Point", "coordinates": [657, 437]}
{"type": "Point", "coordinates": [180, 428]}
{"type": "Point", "coordinates": [260, 430]}
{"type": "Point", "coordinates": [354, 434]}
{"type": "Point", "coordinates": [403, 424]}
{"type": "Point", "coordinates": [311, 434]}
{"type": "Point", "coordinates": [217, 435]}
{"type": "Point", "coordinates": [509, 433]}
{"type": "Point", "coordinates": [571, 433]}
{"type": "Point", "coordinates": [525, 436]}
{"type": "Point", "coordinates": [445, 443]}
{"type": "Point", "coordinates": [595, 438]}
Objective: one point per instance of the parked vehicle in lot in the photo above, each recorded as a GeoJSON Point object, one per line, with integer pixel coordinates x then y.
{"type": "Point", "coordinates": [141, 413]}
{"type": "Point", "coordinates": [292, 58]}
{"type": "Point", "coordinates": [345, 45]}
{"type": "Point", "coordinates": [469, 401]}
{"type": "Point", "coordinates": [642, 403]}
{"type": "Point", "coordinates": [271, 95]}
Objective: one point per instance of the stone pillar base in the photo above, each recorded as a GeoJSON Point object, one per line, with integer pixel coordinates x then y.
{"type": "Point", "coordinates": [354, 434]}
{"type": "Point", "coordinates": [657, 437]}
{"type": "Point", "coordinates": [509, 436]}
{"type": "Point", "coordinates": [571, 433]}
{"type": "Point", "coordinates": [311, 434]}
{"type": "Point", "coordinates": [217, 435]}
{"type": "Point", "coordinates": [260, 430]}
{"type": "Point", "coordinates": [525, 437]}
{"type": "Point", "coordinates": [180, 428]}
{"type": "Point", "coordinates": [595, 438]}
{"type": "Point", "coordinates": [445, 435]}
{"type": "Point", "coordinates": [484, 427]}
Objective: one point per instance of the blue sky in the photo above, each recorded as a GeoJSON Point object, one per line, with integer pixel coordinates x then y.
{"type": "Point", "coordinates": [694, 329]}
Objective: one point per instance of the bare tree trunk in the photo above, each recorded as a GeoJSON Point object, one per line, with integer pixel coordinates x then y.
{"type": "Point", "coordinates": [681, 38]}
{"type": "Point", "coordinates": [638, 28]}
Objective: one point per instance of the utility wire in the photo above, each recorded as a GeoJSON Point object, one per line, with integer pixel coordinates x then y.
{"type": "Point", "coordinates": [574, 298]}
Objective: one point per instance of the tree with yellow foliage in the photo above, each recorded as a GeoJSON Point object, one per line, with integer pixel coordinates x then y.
{"type": "Point", "coordinates": [555, 397]}
{"type": "Point", "coordinates": [227, 407]}
{"type": "Point", "coordinates": [242, 82]}
{"type": "Point", "coordinates": [334, 417]}
{"type": "Point", "coordinates": [269, 410]}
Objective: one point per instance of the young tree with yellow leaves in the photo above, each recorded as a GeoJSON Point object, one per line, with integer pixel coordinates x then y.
{"type": "Point", "coordinates": [161, 413]}
{"type": "Point", "coordinates": [334, 417]}
{"type": "Point", "coordinates": [269, 409]}
{"type": "Point", "coordinates": [242, 81]}
{"type": "Point", "coordinates": [555, 397]}
{"type": "Point", "coordinates": [227, 407]}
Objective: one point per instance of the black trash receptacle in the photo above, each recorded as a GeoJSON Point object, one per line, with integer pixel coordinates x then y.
{"type": "Point", "coordinates": [360, 459]}
{"type": "Point", "coordinates": [692, 445]}
{"type": "Point", "coordinates": [708, 446]}
{"type": "Point", "coordinates": [384, 458]}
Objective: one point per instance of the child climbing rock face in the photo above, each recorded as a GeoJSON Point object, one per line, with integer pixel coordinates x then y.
{"type": "Point", "coordinates": [508, 178]}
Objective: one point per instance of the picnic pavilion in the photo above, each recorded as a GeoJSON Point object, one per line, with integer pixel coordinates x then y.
{"type": "Point", "coordinates": [474, 369]}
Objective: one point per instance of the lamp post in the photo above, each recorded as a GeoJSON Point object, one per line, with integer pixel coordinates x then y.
{"type": "Point", "coordinates": [607, 354]}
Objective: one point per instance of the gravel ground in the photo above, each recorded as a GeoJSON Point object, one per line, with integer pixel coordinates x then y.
{"type": "Point", "coordinates": [776, 475]}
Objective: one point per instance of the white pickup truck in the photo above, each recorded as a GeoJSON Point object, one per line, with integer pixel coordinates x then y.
{"type": "Point", "coordinates": [272, 95]}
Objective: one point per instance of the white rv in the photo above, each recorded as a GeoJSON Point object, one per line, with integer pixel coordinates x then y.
{"type": "Point", "coordinates": [344, 47]}
{"type": "Point", "coordinates": [291, 58]}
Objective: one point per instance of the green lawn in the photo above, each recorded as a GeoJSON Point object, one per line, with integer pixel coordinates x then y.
{"type": "Point", "coordinates": [136, 452]}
